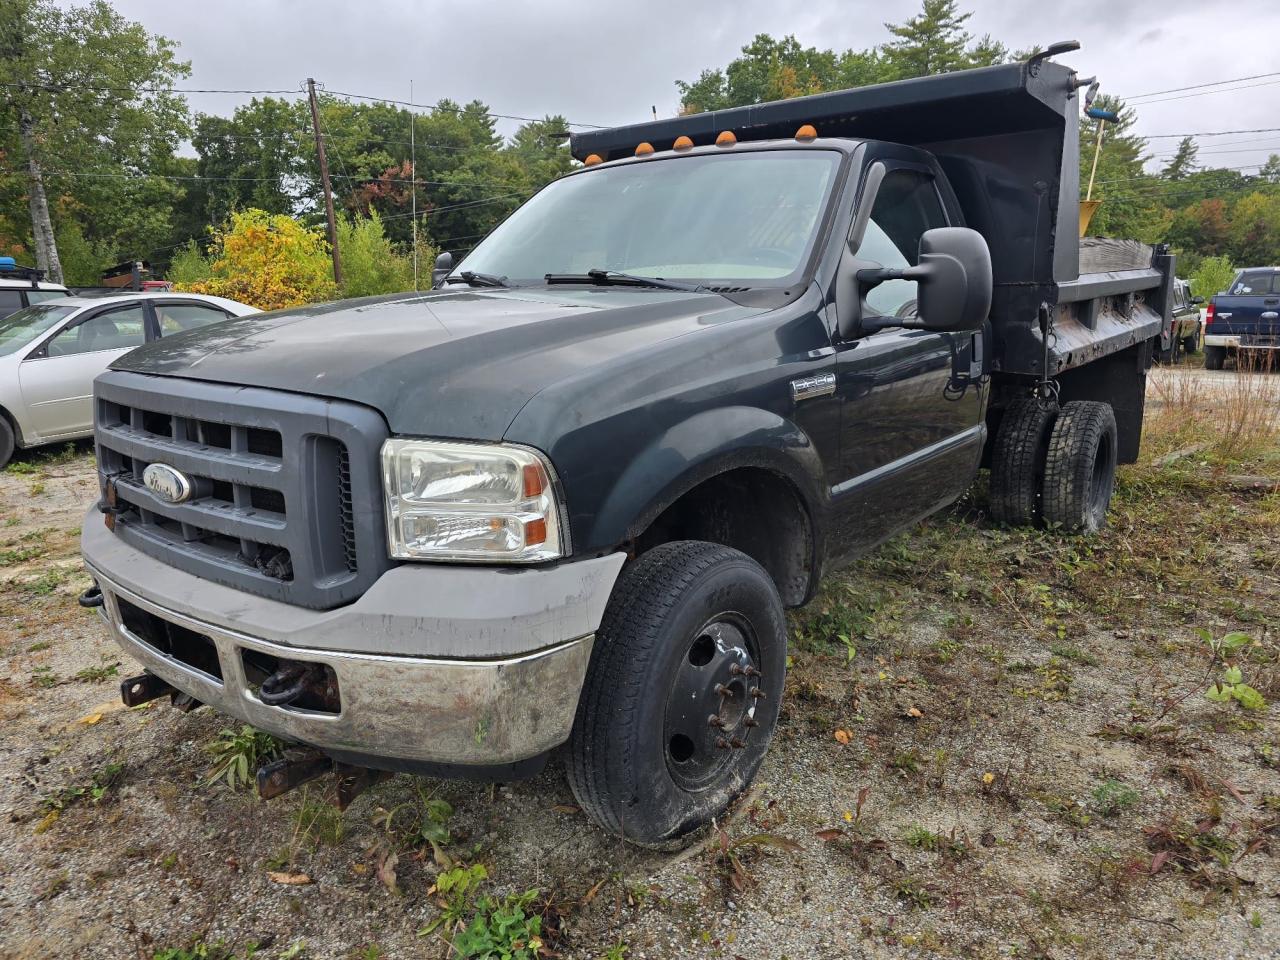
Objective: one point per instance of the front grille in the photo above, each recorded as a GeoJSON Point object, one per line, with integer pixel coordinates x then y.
{"type": "Point", "coordinates": [277, 506]}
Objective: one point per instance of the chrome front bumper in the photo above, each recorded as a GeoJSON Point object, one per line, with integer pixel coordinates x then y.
{"type": "Point", "coordinates": [410, 707]}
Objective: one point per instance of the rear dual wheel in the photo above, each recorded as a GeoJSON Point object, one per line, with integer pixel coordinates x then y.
{"type": "Point", "coordinates": [1054, 465]}
{"type": "Point", "coordinates": [681, 696]}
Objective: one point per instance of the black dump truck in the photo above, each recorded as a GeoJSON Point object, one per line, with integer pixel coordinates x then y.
{"type": "Point", "coordinates": [559, 504]}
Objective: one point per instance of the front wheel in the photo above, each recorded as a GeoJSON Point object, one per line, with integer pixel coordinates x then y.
{"type": "Point", "coordinates": [7, 442]}
{"type": "Point", "coordinates": [681, 696]}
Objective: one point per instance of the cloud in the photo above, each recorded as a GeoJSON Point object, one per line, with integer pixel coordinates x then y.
{"type": "Point", "coordinates": [610, 61]}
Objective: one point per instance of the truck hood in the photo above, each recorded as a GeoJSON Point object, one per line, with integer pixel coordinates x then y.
{"type": "Point", "coordinates": [456, 364]}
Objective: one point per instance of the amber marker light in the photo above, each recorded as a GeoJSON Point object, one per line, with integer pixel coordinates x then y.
{"type": "Point", "coordinates": [807, 133]}
{"type": "Point", "coordinates": [644, 149]}
{"type": "Point", "coordinates": [682, 143]}
{"type": "Point", "coordinates": [726, 139]}
{"type": "Point", "coordinates": [592, 160]}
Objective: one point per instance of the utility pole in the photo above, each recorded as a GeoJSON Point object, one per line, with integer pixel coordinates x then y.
{"type": "Point", "coordinates": [413, 184]}
{"type": "Point", "coordinates": [324, 181]}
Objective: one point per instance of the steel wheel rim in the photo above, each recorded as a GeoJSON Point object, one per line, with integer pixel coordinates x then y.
{"type": "Point", "coordinates": [709, 717]}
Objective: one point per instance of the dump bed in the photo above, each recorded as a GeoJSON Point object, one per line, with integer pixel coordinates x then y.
{"type": "Point", "coordinates": [1008, 139]}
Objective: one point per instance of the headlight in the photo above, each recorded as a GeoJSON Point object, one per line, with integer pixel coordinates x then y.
{"type": "Point", "coordinates": [470, 501]}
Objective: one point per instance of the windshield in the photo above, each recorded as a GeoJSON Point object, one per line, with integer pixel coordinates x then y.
{"type": "Point", "coordinates": [751, 218]}
{"type": "Point", "coordinates": [1257, 283]}
{"type": "Point", "coordinates": [19, 329]}
{"type": "Point", "coordinates": [40, 296]}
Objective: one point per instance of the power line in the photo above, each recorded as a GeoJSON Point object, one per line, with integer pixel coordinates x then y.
{"type": "Point", "coordinates": [69, 88]}
{"type": "Point", "coordinates": [1188, 96]}
{"type": "Point", "coordinates": [1214, 133]}
{"type": "Point", "coordinates": [197, 178]}
{"type": "Point", "coordinates": [1197, 86]}
{"type": "Point", "coordinates": [460, 110]}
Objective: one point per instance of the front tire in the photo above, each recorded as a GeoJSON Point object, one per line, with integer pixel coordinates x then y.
{"type": "Point", "coordinates": [1080, 469]}
{"type": "Point", "coordinates": [657, 749]}
{"type": "Point", "coordinates": [7, 442]}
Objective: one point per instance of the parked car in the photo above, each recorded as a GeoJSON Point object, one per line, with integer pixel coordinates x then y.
{"type": "Point", "coordinates": [23, 286]}
{"type": "Point", "coordinates": [50, 352]}
{"type": "Point", "coordinates": [566, 497]}
{"type": "Point", "coordinates": [1185, 331]}
{"type": "Point", "coordinates": [1245, 319]}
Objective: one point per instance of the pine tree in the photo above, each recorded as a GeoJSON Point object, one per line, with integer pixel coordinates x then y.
{"type": "Point", "coordinates": [1183, 162]}
{"type": "Point", "coordinates": [933, 41]}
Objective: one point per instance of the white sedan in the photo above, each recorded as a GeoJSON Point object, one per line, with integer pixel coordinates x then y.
{"type": "Point", "coordinates": [50, 352]}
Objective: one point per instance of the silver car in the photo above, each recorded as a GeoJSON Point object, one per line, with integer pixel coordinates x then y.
{"type": "Point", "coordinates": [50, 352]}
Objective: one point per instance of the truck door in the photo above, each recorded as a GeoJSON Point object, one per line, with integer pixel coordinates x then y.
{"type": "Point", "coordinates": [909, 443]}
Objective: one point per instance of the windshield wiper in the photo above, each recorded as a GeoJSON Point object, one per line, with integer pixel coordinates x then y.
{"type": "Point", "coordinates": [473, 279]}
{"type": "Point", "coordinates": [613, 277]}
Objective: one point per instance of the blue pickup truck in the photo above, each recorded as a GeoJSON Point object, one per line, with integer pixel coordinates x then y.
{"type": "Point", "coordinates": [1245, 320]}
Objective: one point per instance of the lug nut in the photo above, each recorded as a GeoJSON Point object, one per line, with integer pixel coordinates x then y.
{"type": "Point", "coordinates": [750, 722]}
{"type": "Point", "coordinates": [715, 721]}
{"type": "Point", "coordinates": [751, 672]}
{"type": "Point", "coordinates": [737, 744]}
{"type": "Point", "coordinates": [724, 691]}
{"type": "Point", "coordinates": [735, 670]}
{"type": "Point", "coordinates": [722, 743]}
{"type": "Point", "coordinates": [757, 693]}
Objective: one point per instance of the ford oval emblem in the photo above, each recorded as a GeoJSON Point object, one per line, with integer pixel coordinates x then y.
{"type": "Point", "coordinates": [170, 485]}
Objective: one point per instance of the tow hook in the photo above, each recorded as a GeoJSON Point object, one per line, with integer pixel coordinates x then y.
{"type": "Point", "coordinates": [288, 683]}
{"type": "Point", "coordinates": [91, 597]}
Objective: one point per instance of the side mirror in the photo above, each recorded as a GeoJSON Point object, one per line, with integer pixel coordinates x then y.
{"type": "Point", "coordinates": [1197, 300]}
{"type": "Point", "coordinates": [954, 273]}
{"type": "Point", "coordinates": [444, 264]}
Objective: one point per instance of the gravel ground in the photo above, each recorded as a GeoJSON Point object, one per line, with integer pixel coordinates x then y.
{"type": "Point", "coordinates": [1014, 759]}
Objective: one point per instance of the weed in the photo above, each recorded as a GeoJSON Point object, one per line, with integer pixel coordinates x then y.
{"type": "Point", "coordinates": [94, 790]}
{"type": "Point", "coordinates": [98, 674]}
{"type": "Point", "coordinates": [502, 929]}
{"type": "Point", "coordinates": [908, 761]}
{"type": "Point", "coordinates": [44, 677]}
{"type": "Point", "coordinates": [37, 647]}
{"type": "Point", "coordinates": [10, 558]}
{"type": "Point", "coordinates": [729, 856]}
{"type": "Point", "coordinates": [37, 488]}
{"type": "Point", "coordinates": [22, 467]}
{"type": "Point", "coordinates": [913, 893]}
{"type": "Point", "coordinates": [424, 820]}
{"type": "Point", "coordinates": [46, 583]}
{"type": "Point", "coordinates": [1069, 809]}
{"type": "Point", "coordinates": [1074, 654]}
{"type": "Point", "coordinates": [1114, 797]}
{"type": "Point", "coordinates": [924, 839]}
{"type": "Point", "coordinates": [1195, 849]}
{"type": "Point", "coordinates": [239, 753]}
{"type": "Point", "coordinates": [455, 890]}
{"type": "Point", "coordinates": [1054, 685]}
{"type": "Point", "coordinates": [317, 821]}
{"type": "Point", "coordinates": [1230, 684]}
{"type": "Point", "coordinates": [619, 950]}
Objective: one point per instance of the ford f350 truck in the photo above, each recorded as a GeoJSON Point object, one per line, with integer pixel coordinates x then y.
{"type": "Point", "coordinates": [560, 504]}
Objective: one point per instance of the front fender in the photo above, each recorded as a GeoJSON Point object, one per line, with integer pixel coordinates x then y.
{"type": "Point", "coordinates": [693, 450]}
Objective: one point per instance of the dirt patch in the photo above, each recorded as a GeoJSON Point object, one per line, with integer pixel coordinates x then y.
{"type": "Point", "coordinates": [994, 743]}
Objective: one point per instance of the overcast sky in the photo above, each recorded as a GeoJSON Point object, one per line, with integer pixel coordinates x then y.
{"type": "Point", "coordinates": [609, 61]}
